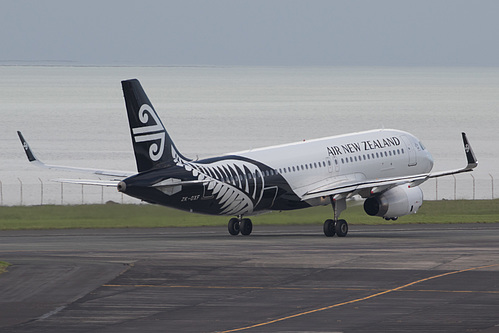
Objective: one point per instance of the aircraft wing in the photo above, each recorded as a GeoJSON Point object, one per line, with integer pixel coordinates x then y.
{"type": "Point", "coordinates": [32, 158]}
{"type": "Point", "coordinates": [470, 156]}
{"type": "Point", "coordinates": [348, 187]}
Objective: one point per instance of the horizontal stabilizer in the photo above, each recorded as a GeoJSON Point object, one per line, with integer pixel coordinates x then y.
{"type": "Point", "coordinates": [176, 182]}
{"type": "Point", "coordinates": [108, 183]}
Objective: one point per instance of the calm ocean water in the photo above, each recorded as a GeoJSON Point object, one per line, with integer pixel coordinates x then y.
{"type": "Point", "coordinates": [76, 116]}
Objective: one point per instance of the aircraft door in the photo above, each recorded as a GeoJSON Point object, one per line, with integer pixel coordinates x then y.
{"type": "Point", "coordinates": [411, 150]}
{"type": "Point", "coordinates": [329, 162]}
{"type": "Point", "coordinates": [336, 164]}
{"type": "Point", "coordinates": [333, 164]}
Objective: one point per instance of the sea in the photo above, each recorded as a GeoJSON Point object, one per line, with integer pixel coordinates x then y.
{"type": "Point", "coordinates": [76, 116]}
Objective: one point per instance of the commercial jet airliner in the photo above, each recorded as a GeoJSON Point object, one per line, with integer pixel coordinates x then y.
{"type": "Point", "coordinates": [383, 166]}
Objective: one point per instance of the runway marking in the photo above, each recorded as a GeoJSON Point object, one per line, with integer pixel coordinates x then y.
{"type": "Point", "coordinates": [290, 288]}
{"type": "Point", "coordinates": [352, 301]}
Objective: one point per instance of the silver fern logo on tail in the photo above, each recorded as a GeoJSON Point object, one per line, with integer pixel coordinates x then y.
{"type": "Point", "coordinates": [151, 133]}
{"type": "Point", "coordinates": [236, 185]}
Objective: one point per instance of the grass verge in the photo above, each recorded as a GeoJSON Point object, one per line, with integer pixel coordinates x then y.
{"type": "Point", "coordinates": [150, 216]}
{"type": "Point", "coordinates": [3, 266]}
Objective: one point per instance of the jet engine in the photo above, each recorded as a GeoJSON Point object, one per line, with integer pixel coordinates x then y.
{"type": "Point", "coordinates": [398, 201]}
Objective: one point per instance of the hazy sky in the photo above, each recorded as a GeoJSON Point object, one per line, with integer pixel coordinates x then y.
{"type": "Point", "coordinates": [252, 32]}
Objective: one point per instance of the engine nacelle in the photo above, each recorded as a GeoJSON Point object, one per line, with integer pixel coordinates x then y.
{"type": "Point", "coordinates": [398, 201]}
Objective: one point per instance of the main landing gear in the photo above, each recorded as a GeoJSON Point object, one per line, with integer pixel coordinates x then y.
{"type": "Point", "coordinates": [336, 226]}
{"type": "Point", "coordinates": [240, 225]}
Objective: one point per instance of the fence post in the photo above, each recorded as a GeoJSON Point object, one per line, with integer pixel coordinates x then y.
{"type": "Point", "coordinates": [455, 187]}
{"type": "Point", "coordinates": [62, 193]}
{"type": "Point", "coordinates": [41, 192]}
{"type": "Point", "coordinates": [436, 188]}
{"type": "Point", "coordinates": [21, 190]}
{"type": "Point", "coordinates": [492, 178]}
{"type": "Point", "coordinates": [473, 185]}
{"type": "Point", "coordinates": [1, 194]}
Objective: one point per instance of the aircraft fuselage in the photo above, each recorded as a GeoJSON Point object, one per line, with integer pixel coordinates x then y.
{"type": "Point", "coordinates": [279, 177]}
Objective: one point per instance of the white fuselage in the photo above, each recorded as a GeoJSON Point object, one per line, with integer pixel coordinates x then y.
{"type": "Point", "coordinates": [370, 155]}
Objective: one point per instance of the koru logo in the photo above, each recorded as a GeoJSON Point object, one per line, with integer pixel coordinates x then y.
{"type": "Point", "coordinates": [150, 132]}
{"type": "Point", "coordinates": [467, 148]}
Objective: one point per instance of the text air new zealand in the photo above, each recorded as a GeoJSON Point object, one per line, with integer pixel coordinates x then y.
{"type": "Point", "coordinates": [384, 167]}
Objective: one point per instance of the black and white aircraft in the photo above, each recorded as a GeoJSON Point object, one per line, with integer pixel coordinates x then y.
{"type": "Point", "coordinates": [384, 167]}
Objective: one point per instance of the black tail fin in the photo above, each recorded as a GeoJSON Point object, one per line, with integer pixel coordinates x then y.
{"type": "Point", "coordinates": [152, 145]}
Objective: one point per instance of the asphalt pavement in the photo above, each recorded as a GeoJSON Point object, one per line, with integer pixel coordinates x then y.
{"type": "Point", "coordinates": [404, 278]}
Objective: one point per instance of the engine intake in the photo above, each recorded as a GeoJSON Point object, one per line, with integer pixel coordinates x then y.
{"type": "Point", "coordinates": [398, 201]}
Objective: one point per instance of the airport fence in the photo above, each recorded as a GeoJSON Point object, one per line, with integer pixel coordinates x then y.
{"type": "Point", "coordinates": [31, 192]}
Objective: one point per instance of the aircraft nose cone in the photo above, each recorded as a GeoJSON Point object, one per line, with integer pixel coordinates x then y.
{"type": "Point", "coordinates": [122, 186]}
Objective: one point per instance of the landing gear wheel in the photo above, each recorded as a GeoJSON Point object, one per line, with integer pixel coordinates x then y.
{"type": "Point", "coordinates": [234, 227]}
{"type": "Point", "coordinates": [341, 228]}
{"type": "Point", "coordinates": [246, 227]}
{"type": "Point", "coordinates": [329, 230]}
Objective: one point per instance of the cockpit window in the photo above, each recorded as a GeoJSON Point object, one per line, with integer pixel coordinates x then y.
{"type": "Point", "coordinates": [422, 145]}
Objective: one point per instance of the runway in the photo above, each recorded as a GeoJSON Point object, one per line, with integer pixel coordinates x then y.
{"type": "Point", "coordinates": [405, 278]}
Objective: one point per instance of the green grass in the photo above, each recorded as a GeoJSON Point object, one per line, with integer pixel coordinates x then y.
{"type": "Point", "coordinates": [3, 266]}
{"type": "Point", "coordinates": [150, 216]}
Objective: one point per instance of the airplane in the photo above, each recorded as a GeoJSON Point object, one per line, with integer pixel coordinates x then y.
{"type": "Point", "coordinates": [384, 167]}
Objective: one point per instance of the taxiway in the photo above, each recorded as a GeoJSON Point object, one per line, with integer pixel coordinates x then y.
{"type": "Point", "coordinates": [405, 278]}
